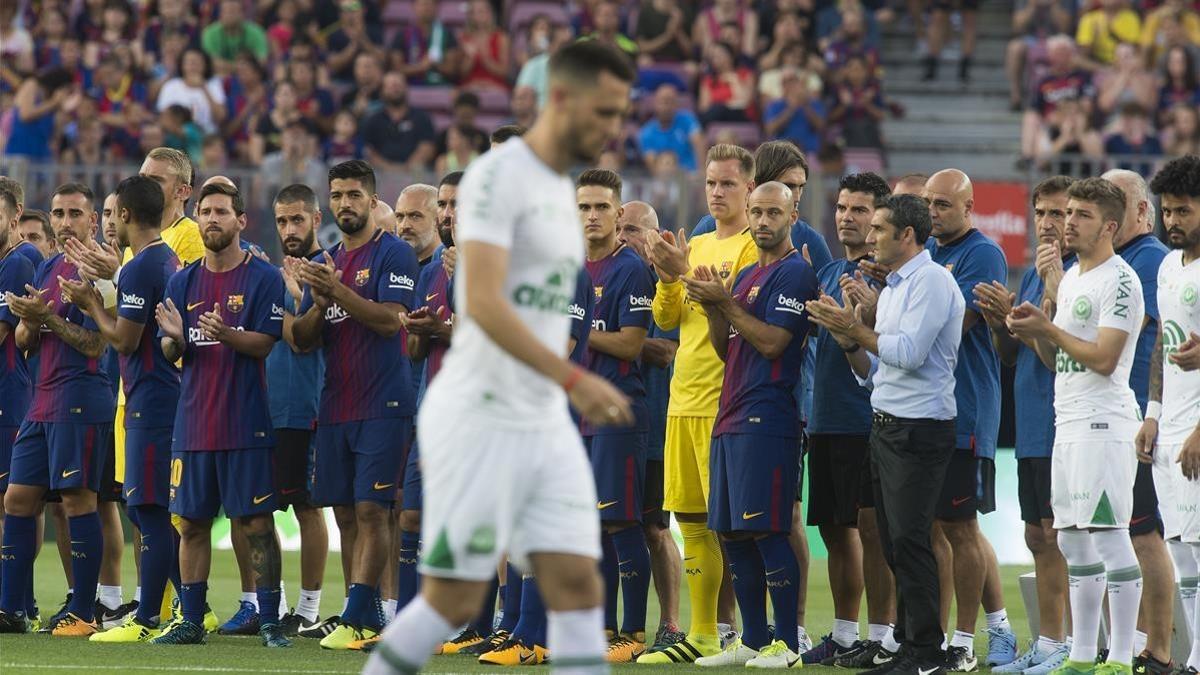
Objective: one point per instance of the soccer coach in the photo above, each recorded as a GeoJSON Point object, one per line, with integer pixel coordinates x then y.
{"type": "Point", "coordinates": [908, 362]}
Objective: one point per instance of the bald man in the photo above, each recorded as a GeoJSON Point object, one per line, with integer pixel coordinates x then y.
{"type": "Point", "coordinates": [383, 217]}
{"type": "Point", "coordinates": [758, 327]}
{"type": "Point", "coordinates": [417, 221]}
{"type": "Point", "coordinates": [911, 184]}
{"type": "Point", "coordinates": [968, 489]}
{"type": "Point", "coordinates": [1135, 242]}
{"type": "Point", "coordinates": [658, 352]}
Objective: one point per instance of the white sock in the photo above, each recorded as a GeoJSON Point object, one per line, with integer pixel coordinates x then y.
{"type": "Point", "coordinates": [345, 602]}
{"type": "Point", "coordinates": [309, 606]}
{"type": "Point", "coordinates": [1085, 581]}
{"type": "Point", "coordinates": [889, 640]}
{"type": "Point", "coordinates": [389, 609]}
{"type": "Point", "coordinates": [998, 619]}
{"type": "Point", "coordinates": [576, 639]}
{"type": "Point", "coordinates": [1194, 657]}
{"type": "Point", "coordinates": [137, 595]}
{"type": "Point", "coordinates": [1139, 642]}
{"type": "Point", "coordinates": [283, 606]}
{"type": "Point", "coordinates": [1047, 646]}
{"type": "Point", "coordinates": [109, 596]}
{"type": "Point", "coordinates": [876, 631]}
{"type": "Point", "coordinates": [1124, 592]}
{"type": "Point", "coordinates": [409, 640]}
{"type": "Point", "coordinates": [945, 642]}
{"type": "Point", "coordinates": [845, 632]}
{"type": "Point", "coordinates": [1187, 573]}
{"type": "Point", "coordinates": [962, 639]}
{"type": "Point", "coordinates": [251, 598]}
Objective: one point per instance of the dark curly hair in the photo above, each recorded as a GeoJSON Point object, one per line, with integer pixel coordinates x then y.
{"type": "Point", "coordinates": [1180, 176]}
{"type": "Point", "coordinates": [869, 183]}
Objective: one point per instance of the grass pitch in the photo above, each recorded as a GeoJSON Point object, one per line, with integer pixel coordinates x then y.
{"type": "Point", "coordinates": [40, 654]}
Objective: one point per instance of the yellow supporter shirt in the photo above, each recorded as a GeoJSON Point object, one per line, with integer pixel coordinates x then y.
{"type": "Point", "coordinates": [1099, 37]}
{"type": "Point", "coordinates": [182, 237]}
{"type": "Point", "coordinates": [699, 372]}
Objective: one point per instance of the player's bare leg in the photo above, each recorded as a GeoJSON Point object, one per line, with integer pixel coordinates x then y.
{"type": "Point", "coordinates": [1158, 588]}
{"type": "Point", "coordinates": [727, 601]}
{"type": "Point", "coordinates": [945, 562]}
{"type": "Point", "coordinates": [62, 540]}
{"type": "Point", "coordinates": [246, 620]}
{"type": "Point", "coordinates": [114, 548]}
{"type": "Point", "coordinates": [348, 532]}
{"type": "Point", "coordinates": [970, 565]}
{"type": "Point", "coordinates": [666, 567]}
{"type": "Point", "coordinates": [266, 564]}
{"type": "Point", "coordinates": [314, 546]}
{"type": "Point", "coordinates": [1050, 569]}
{"type": "Point", "coordinates": [391, 571]}
{"type": "Point", "coordinates": [845, 570]}
{"type": "Point", "coordinates": [798, 538]}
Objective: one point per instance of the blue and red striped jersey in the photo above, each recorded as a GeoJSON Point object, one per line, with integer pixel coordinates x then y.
{"type": "Point", "coordinates": [623, 289]}
{"type": "Point", "coordinates": [435, 292]}
{"type": "Point", "coordinates": [15, 389]}
{"type": "Point", "coordinates": [151, 381]}
{"type": "Point", "coordinates": [756, 396]}
{"type": "Point", "coordinates": [223, 398]}
{"type": "Point", "coordinates": [71, 387]}
{"type": "Point", "coordinates": [368, 375]}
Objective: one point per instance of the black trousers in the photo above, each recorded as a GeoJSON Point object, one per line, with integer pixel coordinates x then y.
{"type": "Point", "coordinates": [908, 465]}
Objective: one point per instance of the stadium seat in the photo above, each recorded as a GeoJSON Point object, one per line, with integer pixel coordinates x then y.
{"type": "Point", "coordinates": [453, 14]}
{"type": "Point", "coordinates": [397, 12]}
{"type": "Point", "coordinates": [521, 14]}
{"type": "Point", "coordinates": [431, 99]}
{"type": "Point", "coordinates": [865, 159]}
{"type": "Point", "coordinates": [493, 100]}
{"type": "Point", "coordinates": [746, 134]}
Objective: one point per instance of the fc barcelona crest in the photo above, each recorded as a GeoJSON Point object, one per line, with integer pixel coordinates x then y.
{"type": "Point", "coordinates": [752, 294]}
{"type": "Point", "coordinates": [235, 303]}
{"type": "Point", "coordinates": [599, 292]}
{"type": "Point", "coordinates": [726, 269]}
{"type": "Point", "coordinates": [362, 276]}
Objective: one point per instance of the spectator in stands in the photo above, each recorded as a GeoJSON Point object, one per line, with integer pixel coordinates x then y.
{"type": "Point", "coordinates": [523, 106]}
{"type": "Point", "coordinates": [398, 137]}
{"type": "Point", "coordinates": [180, 132]}
{"type": "Point", "coordinates": [116, 29]}
{"type": "Point", "coordinates": [1033, 22]}
{"type": "Point", "coordinates": [851, 40]}
{"type": "Point", "coordinates": [174, 17]}
{"type": "Point", "coordinates": [363, 98]}
{"type": "Point", "coordinates": [167, 65]}
{"type": "Point", "coordinates": [939, 29]}
{"type": "Point", "coordinates": [795, 59]}
{"type": "Point", "coordinates": [245, 99]}
{"type": "Point", "coordinates": [213, 157]}
{"type": "Point", "coordinates": [464, 113]}
{"type": "Point", "coordinates": [114, 85]}
{"type": "Point", "coordinates": [290, 25]}
{"type": "Point", "coordinates": [313, 102]}
{"type": "Point", "coordinates": [485, 49]}
{"type": "Point", "coordinates": [607, 19]}
{"type": "Point", "coordinates": [535, 72]}
{"type": "Point", "coordinates": [149, 137]}
{"type": "Point", "coordinates": [662, 33]}
{"type": "Point", "coordinates": [1103, 28]}
{"type": "Point", "coordinates": [1134, 136]}
{"type": "Point", "coordinates": [858, 106]}
{"type": "Point", "coordinates": [460, 150]}
{"type": "Point", "coordinates": [425, 50]}
{"type": "Point", "coordinates": [268, 132]}
{"type": "Point", "coordinates": [1128, 81]}
{"type": "Point", "coordinates": [48, 36]}
{"type": "Point", "coordinates": [196, 89]}
{"type": "Point", "coordinates": [726, 90]}
{"type": "Point", "coordinates": [87, 147]}
{"type": "Point", "coordinates": [39, 100]}
{"type": "Point", "coordinates": [124, 141]}
{"type": "Point", "coordinates": [1182, 136]}
{"type": "Point", "coordinates": [786, 34]}
{"type": "Point", "coordinates": [16, 46]}
{"type": "Point", "coordinates": [830, 19]}
{"type": "Point", "coordinates": [672, 130]}
{"type": "Point", "coordinates": [232, 35]}
{"type": "Point", "coordinates": [1155, 35]}
{"type": "Point", "coordinates": [799, 116]}
{"type": "Point", "coordinates": [1068, 131]}
{"type": "Point", "coordinates": [345, 143]}
{"type": "Point", "coordinates": [1063, 82]}
{"type": "Point", "coordinates": [534, 41]}
{"type": "Point", "coordinates": [706, 30]}
{"type": "Point", "coordinates": [1180, 82]}
{"type": "Point", "coordinates": [665, 190]}
{"type": "Point", "coordinates": [296, 160]}
{"type": "Point", "coordinates": [352, 37]}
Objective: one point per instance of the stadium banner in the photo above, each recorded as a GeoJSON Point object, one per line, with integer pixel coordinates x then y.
{"type": "Point", "coordinates": [1003, 527]}
{"type": "Point", "coordinates": [1002, 212]}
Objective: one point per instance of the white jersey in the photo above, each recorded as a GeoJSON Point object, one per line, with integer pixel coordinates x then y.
{"type": "Point", "coordinates": [1179, 311]}
{"type": "Point", "coordinates": [511, 199]}
{"type": "Point", "coordinates": [1088, 405]}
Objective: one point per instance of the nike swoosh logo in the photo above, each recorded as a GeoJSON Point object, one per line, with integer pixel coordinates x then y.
{"type": "Point", "coordinates": [927, 671]}
{"type": "Point", "coordinates": [130, 491]}
{"type": "Point", "coordinates": [528, 657]}
{"type": "Point", "coordinates": [68, 474]}
{"type": "Point", "coordinates": [383, 486]}
{"type": "Point", "coordinates": [775, 571]}
{"type": "Point", "coordinates": [748, 516]}
{"type": "Point", "coordinates": [430, 297]}
{"type": "Point", "coordinates": [604, 505]}
{"type": "Point", "coordinates": [259, 500]}
{"type": "Point", "coordinates": [1139, 519]}
{"type": "Point", "coordinates": [3, 475]}
{"type": "Point", "coordinates": [194, 305]}
{"type": "Point", "coordinates": [875, 660]}
{"type": "Point", "coordinates": [959, 501]}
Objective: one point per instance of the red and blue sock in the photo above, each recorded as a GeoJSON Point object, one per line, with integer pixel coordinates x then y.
{"type": "Point", "coordinates": [193, 599]}
{"type": "Point", "coordinates": [749, 582]}
{"type": "Point", "coordinates": [783, 579]}
{"type": "Point", "coordinates": [531, 628]}
{"type": "Point", "coordinates": [87, 548]}
{"type": "Point", "coordinates": [154, 522]}
{"type": "Point", "coordinates": [633, 560]}
{"type": "Point", "coordinates": [359, 602]}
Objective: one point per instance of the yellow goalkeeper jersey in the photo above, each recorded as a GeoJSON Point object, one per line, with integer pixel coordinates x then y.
{"type": "Point", "coordinates": [699, 372]}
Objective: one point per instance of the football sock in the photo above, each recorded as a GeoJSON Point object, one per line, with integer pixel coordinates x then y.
{"type": "Point", "coordinates": [633, 560]}
{"type": "Point", "coordinates": [109, 596]}
{"type": "Point", "coordinates": [845, 633]}
{"type": "Point", "coordinates": [965, 640]}
{"type": "Point", "coordinates": [410, 581]}
{"type": "Point", "coordinates": [998, 619]}
{"type": "Point", "coordinates": [1047, 646]}
{"type": "Point", "coordinates": [782, 580]}
{"type": "Point", "coordinates": [389, 609]}
{"type": "Point", "coordinates": [194, 599]}
{"type": "Point", "coordinates": [610, 574]}
{"type": "Point", "coordinates": [531, 628]}
{"type": "Point", "coordinates": [876, 631]}
{"type": "Point", "coordinates": [156, 559]}
{"type": "Point", "coordinates": [576, 639]}
{"type": "Point", "coordinates": [1085, 581]}
{"type": "Point", "coordinates": [250, 597]}
{"type": "Point", "coordinates": [359, 605]}
{"type": "Point", "coordinates": [87, 547]}
{"type": "Point", "coordinates": [309, 606]}
{"type": "Point", "coordinates": [1139, 641]}
{"type": "Point", "coordinates": [512, 599]}
{"type": "Point", "coordinates": [1124, 590]}
{"type": "Point", "coordinates": [268, 605]}
{"type": "Point", "coordinates": [20, 532]}
{"type": "Point", "coordinates": [703, 568]}
{"type": "Point", "coordinates": [1188, 575]}
{"type": "Point", "coordinates": [487, 614]}
{"type": "Point", "coordinates": [408, 641]}
{"type": "Point", "coordinates": [1193, 658]}
{"type": "Point", "coordinates": [749, 584]}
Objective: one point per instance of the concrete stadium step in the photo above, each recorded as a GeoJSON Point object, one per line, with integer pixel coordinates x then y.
{"type": "Point", "coordinates": [952, 109]}
{"type": "Point", "coordinates": [981, 77]}
{"type": "Point", "coordinates": [978, 167]}
{"type": "Point", "coordinates": [915, 131]}
{"type": "Point", "coordinates": [946, 87]}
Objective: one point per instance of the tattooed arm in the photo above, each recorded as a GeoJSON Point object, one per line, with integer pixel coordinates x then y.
{"type": "Point", "coordinates": [88, 342]}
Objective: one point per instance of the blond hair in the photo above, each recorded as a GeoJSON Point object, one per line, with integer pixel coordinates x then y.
{"type": "Point", "coordinates": [179, 162]}
{"type": "Point", "coordinates": [727, 151]}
